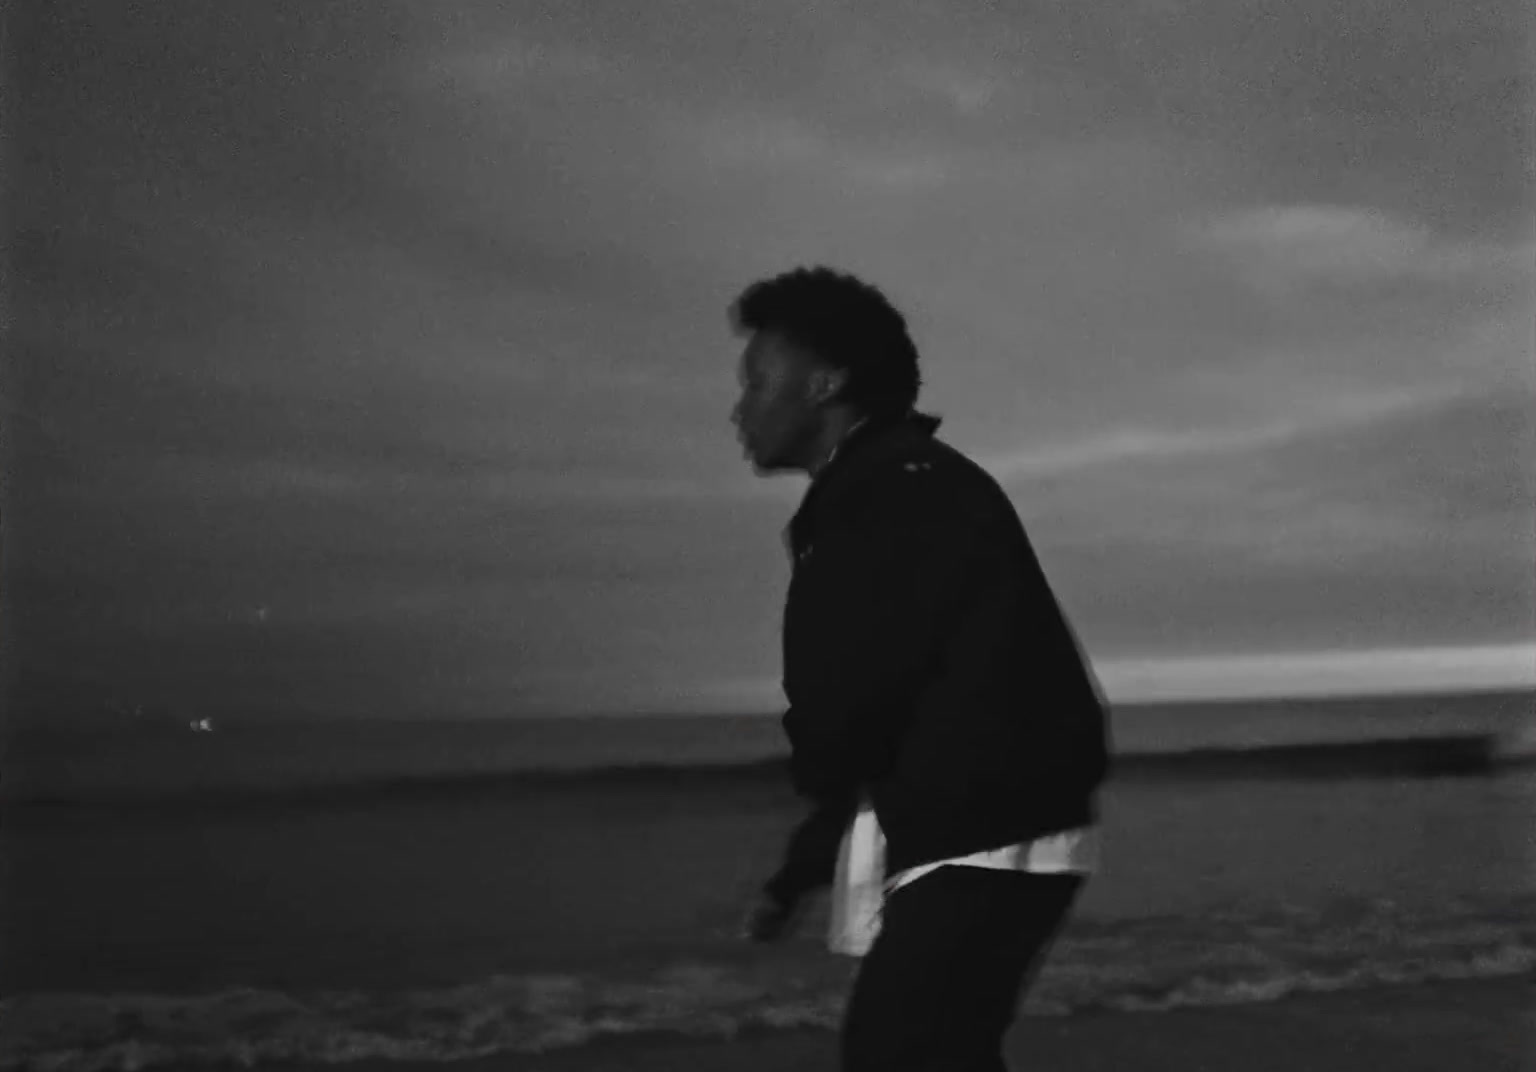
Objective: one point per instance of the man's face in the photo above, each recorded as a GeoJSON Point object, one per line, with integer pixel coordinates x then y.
{"type": "Point", "coordinates": [779, 418]}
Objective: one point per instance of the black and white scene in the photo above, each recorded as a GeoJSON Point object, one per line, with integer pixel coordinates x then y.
{"type": "Point", "coordinates": [906, 536]}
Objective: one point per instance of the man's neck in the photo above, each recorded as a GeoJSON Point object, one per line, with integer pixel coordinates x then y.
{"type": "Point", "coordinates": [839, 431]}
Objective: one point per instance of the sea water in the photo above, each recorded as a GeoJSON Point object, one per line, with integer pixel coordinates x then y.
{"type": "Point", "coordinates": [152, 920]}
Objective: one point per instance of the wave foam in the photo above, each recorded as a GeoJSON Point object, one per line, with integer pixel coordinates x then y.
{"type": "Point", "coordinates": [1238, 956]}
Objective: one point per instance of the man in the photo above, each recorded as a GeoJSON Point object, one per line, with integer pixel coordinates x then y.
{"type": "Point", "coordinates": [929, 672]}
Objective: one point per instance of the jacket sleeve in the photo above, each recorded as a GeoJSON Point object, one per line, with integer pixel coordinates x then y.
{"type": "Point", "coordinates": [869, 613]}
{"type": "Point", "coordinates": [810, 859]}
{"type": "Point", "coordinates": [878, 593]}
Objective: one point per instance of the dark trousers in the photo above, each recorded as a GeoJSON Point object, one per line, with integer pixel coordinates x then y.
{"type": "Point", "coordinates": [943, 981]}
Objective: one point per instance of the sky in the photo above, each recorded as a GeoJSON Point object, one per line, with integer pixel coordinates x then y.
{"type": "Point", "coordinates": [374, 359]}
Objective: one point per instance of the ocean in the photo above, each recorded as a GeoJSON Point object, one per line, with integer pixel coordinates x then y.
{"type": "Point", "coordinates": [334, 891]}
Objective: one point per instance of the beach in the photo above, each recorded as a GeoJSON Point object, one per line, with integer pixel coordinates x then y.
{"type": "Point", "coordinates": [1487, 1026]}
{"type": "Point", "coordinates": [1347, 906]}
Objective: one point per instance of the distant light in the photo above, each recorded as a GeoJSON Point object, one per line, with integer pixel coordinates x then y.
{"type": "Point", "coordinates": [202, 725]}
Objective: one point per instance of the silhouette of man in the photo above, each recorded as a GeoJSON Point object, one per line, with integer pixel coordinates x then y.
{"type": "Point", "coordinates": [931, 677]}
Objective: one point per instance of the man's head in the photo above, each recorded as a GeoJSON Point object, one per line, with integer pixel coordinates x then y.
{"type": "Point", "coordinates": [823, 351]}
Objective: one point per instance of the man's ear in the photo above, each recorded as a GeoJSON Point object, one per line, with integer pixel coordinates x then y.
{"type": "Point", "coordinates": [826, 384]}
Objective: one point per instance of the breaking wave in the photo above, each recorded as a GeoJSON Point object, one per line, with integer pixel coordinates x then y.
{"type": "Point", "coordinates": [1234, 956]}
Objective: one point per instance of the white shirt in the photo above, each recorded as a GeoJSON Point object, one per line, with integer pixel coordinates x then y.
{"type": "Point", "coordinates": [860, 885]}
{"type": "Point", "coordinates": [1069, 852]}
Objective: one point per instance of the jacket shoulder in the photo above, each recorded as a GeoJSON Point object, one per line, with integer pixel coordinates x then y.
{"type": "Point", "coordinates": [929, 482]}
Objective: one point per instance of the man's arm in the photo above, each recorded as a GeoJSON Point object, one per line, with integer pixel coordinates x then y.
{"type": "Point", "coordinates": [868, 619]}
{"type": "Point", "coordinates": [810, 859]}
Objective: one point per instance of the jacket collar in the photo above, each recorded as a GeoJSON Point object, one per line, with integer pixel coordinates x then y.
{"type": "Point", "coordinates": [861, 437]}
{"type": "Point", "coordinates": [867, 440]}
{"type": "Point", "coordinates": [838, 446]}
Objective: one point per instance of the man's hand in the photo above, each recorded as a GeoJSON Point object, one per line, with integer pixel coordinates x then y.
{"type": "Point", "coordinates": [770, 919]}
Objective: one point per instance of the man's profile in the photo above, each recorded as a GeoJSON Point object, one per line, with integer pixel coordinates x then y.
{"type": "Point", "coordinates": [931, 678]}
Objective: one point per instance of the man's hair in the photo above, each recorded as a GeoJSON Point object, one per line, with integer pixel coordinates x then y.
{"type": "Point", "coordinates": [845, 323]}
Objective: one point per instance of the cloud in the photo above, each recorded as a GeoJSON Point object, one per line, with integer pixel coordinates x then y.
{"type": "Point", "coordinates": [963, 87]}
{"type": "Point", "coordinates": [1289, 392]}
{"type": "Point", "coordinates": [1122, 446]}
{"type": "Point", "coordinates": [511, 62]}
{"type": "Point", "coordinates": [409, 323]}
{"type": "Point", "coordinates": [1411, 528]}
{"type": "Point", "coordinates": [287, 479]}
{"type": "Point", "coordinates": [773, 144]}
{"type": "Point", "coordinates": [1329, 240]}
{"type": "Point", "coordinates": [1280, 246]}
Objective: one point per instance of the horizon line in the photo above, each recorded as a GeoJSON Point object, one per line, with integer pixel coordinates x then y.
{"type": "Point", "coordinates": [1129, 681]}
{"type": "Point", "coordinates": [1423, 670]}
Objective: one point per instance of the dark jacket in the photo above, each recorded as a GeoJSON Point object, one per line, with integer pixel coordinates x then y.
{"type": "Point", "coordinates": [927, 663]}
